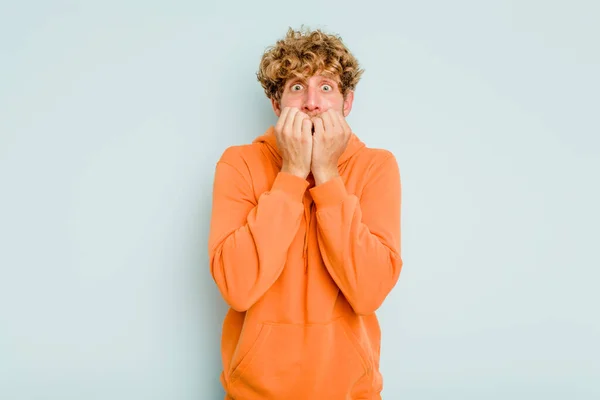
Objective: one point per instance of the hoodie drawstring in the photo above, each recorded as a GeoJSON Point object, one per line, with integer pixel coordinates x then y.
{"type": "Point", "coordinates": [308, 217]}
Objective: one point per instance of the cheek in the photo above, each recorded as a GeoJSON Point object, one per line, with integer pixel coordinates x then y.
{"type": "Point", "coordinates": [333, 104]}
{"type": "Point", "coordinates": [290, 101]}
{"type": "Point", "coordinates": [337, 101]}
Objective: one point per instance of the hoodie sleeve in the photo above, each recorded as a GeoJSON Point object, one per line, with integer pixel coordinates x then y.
{"type": "Point", "coordinates": [359, 239]}
{"type": "Point", "coordinates": [249, 239]}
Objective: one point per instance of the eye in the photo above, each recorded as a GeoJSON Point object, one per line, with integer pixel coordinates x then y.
{"type": "Point", "coordinates": [327, 88]}
{"type": "Point", "coordinates": [295, 87]}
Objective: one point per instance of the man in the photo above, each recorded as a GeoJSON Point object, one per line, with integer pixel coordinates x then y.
{"type": "Point", "coordinates": [304, 239]}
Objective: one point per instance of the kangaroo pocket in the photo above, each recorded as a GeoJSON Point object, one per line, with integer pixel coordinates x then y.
{"type": "Point", "coordinates": [289, 361]}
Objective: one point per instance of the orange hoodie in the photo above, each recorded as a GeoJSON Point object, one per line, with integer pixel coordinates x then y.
{"type": "Point", "coordinates": [303, 269]}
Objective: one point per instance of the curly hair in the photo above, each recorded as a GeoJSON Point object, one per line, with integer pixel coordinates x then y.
{"type": "Point", "coordinates": [303, 54]}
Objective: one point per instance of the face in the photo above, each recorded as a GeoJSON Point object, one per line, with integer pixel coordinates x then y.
{"type": "Point", "coordinates": [314, 96]}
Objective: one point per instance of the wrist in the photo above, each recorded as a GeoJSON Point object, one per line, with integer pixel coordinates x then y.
{"type": "Point", "coordinates": [294, 171]}
{"type": "Point", "coordinates": [325, 175]}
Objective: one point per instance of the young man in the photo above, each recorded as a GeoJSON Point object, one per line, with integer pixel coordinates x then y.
{"type": "Point", "coordinates": [304, 239]}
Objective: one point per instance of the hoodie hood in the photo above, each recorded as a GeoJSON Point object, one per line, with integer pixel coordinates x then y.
{"type": "Point", "coordinates": [269, 140]}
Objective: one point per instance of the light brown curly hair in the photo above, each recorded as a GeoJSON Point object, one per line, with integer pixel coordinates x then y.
{"type": "Point", "coordinates": [304, 53]}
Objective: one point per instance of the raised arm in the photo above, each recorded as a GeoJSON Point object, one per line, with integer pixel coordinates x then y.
{"type": "Point", "coordinates": [249, 239]}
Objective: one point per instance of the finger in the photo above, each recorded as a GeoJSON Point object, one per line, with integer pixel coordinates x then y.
{"type": "Point", "coordinates": [344, 124]}
{"type": "Point", "coordinates": [281, 120]}
{"type": "Point", "coordinates": [319, 127]}
{"type": "Point", "coordinates": [340, 125]}
{"type": "Point", "coordinates": [327, 123]}
{"type": "Point", "coordinates": [299, 118]}
{"type": "Point", "coordinates": [307, 126]}
{"type": "Point", "coordinates": [335, 121]}
{"type": "Point", "coordinates": [288, 127]}
{"type": "Point", "coordinates": [283, 114]}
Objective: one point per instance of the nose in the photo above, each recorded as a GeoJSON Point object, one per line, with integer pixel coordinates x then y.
{"type": "Point", "coordinates": [312, 103]}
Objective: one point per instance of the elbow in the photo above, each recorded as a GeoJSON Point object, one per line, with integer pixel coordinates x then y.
{"type": "Point", "coordinates": [237, 302]}
{"type": "Point", "coordinates": [366, 305]}
{"type": "Point", "coordinates": [235, 292]}
{"type": "Point", "coordinates": [236, 296]}
{"type": "Point", "coordinates": [366, 299]}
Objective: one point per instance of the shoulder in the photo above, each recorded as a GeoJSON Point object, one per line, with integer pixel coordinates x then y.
{"type": "Point", "coordinates": [373, 159]}
{"type": "Point", "coordinates": [233, 154]}
{"type": "Point", "coordinates": [376, 154]}
{"type": "Point", "coordinates": [239, 156]}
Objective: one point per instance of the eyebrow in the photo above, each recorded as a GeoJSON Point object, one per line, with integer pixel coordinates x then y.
{"type": "Point", "coordinates": [304, 81]}
{"type": "Point", "coordinates": [330, 80]}
{"type": "Point", "coordinates": [293, 81]}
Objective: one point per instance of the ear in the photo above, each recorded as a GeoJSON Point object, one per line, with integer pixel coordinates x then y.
{"type": "Point", "coordinates": [276, 107]}
{"type": "Point", "coordinates": [348, 102]}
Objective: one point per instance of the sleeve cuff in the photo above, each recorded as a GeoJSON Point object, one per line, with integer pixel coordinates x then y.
{"type": "Point", "coordinates": [293, 185]}
{"type": "Point", "coordinates": [330, 193]}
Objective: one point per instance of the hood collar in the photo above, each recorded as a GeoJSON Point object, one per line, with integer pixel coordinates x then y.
{"type": "Point", "coordinates": [268, 139]}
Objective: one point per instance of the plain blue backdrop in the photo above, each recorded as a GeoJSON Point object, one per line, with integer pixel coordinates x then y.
{"type": "Point", "coordinates": [113, 115]}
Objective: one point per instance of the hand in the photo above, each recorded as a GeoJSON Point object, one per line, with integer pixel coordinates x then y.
{"type": "Point", "coordinates": [293, 132]}
{"type": "Point", "coordinates": [330, 139]}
